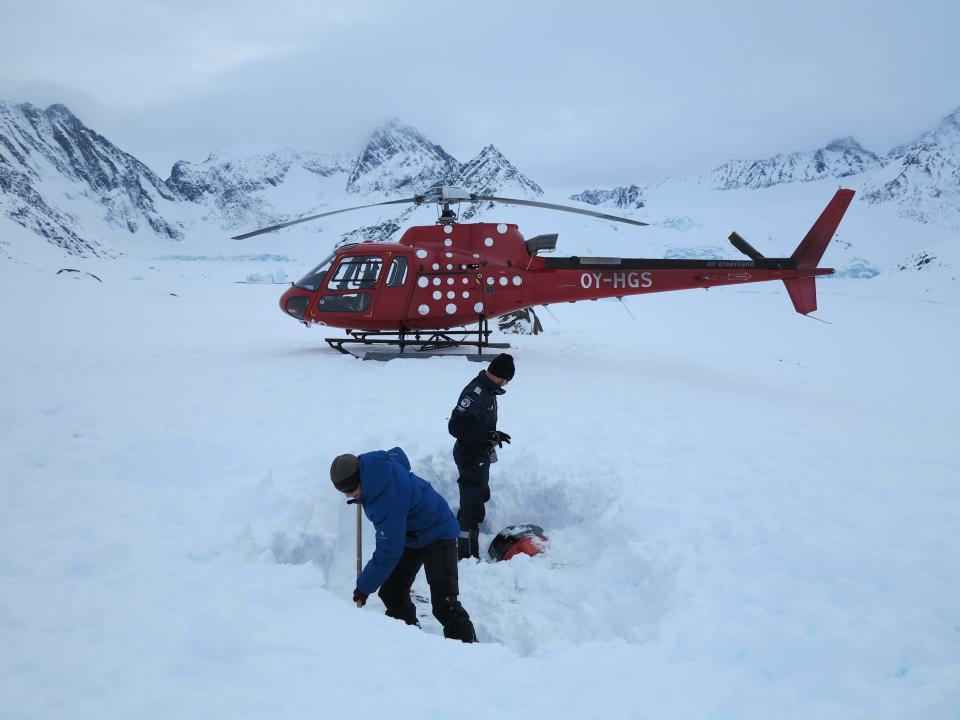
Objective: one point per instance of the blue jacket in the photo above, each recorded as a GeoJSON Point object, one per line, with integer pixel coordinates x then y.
{"type": "Point", "coordinates": [405, 511]}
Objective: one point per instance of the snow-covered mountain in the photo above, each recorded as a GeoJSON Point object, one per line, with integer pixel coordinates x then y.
{"type": "Point", "coordinates": [69, 185]}
{"type": "Point", "coordinates": [25, 206]}
{"type": "Point", "coordinates": [63, 180]}
{"type": "Point", "coordinates": [923, 177]}
{"type": "Point", "coordinates": [620, 197]}
{"type": "Point", "coordinates": [399, 160]}
{"type": "Point", "coordinates": [841, 158]}
{"type": "Point", "coordinates": [490, 173]}
{"type": "Point", "coordinates": [234, 184]}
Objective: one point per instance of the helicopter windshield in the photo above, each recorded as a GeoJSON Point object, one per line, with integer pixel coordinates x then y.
{"type": "Point", "coordinates": [314, 279]}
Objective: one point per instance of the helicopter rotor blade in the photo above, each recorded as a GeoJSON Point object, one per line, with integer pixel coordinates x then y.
{"type": "Point", "coordinates": [551, 206]}
{"type": "Point", "coordinates": [418, 199]}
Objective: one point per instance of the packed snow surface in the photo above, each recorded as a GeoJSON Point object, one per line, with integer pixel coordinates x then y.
{"type": "Point", "coordinates": [751, 514]}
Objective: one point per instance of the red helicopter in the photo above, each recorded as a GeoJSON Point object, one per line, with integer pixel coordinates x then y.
{"type": "Point", "coordinates": [428, 288]}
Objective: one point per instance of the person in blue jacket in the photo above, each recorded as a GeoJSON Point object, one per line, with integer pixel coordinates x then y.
{"type": "Point", "coordinates": [414, 528]}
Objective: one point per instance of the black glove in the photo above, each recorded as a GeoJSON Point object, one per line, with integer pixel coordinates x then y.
{"type": "Point", "coordinates": [499, 437]}
{"type": "Point", "coordinates": [359, 598]}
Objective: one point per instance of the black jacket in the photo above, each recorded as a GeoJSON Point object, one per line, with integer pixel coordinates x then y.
{"type": "Point", "coordinates": [474, 419]}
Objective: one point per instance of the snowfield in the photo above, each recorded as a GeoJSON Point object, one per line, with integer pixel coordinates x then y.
{"type": "Point", "coordinates": [752, 514]}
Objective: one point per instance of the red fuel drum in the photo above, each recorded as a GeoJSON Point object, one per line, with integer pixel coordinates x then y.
{"type": "Point", "coordinates": [527, 539]}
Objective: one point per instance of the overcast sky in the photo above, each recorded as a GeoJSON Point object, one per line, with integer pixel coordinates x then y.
{"type": "Point", "coordinates": [585, 94]}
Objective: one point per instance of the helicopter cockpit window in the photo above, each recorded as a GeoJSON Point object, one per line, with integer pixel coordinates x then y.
{"type": "Point", "coordinates": [397, 275]}
{"type": "Point", "coordinates": [353, 302]}
{"type": "Point", "coordinates": [314, 279]}
{"type": "Point", "coordinates": [356, 273]}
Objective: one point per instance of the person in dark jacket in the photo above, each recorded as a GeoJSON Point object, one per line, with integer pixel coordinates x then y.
{"type": "Point", "coordinates": [473, 423]}
{"type": "Point", "coordinates": [414, 528]}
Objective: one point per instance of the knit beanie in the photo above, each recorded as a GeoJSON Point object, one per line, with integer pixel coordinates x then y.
{"type": "Point", "coordinates": [345, 473]}
{"type": "Point", "coordinates": [502, 366]}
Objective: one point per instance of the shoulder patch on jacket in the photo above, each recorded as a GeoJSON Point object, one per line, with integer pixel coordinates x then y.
{"type": "Point", "coordinates": [464, 403]}
{"type": "Point", "coordinates": [477, 389]}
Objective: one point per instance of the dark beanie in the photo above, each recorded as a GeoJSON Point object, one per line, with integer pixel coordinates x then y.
{"type": "Point", "coordinates": [345, 473]}
{"type": "Point", "coordinates": [502, 366]}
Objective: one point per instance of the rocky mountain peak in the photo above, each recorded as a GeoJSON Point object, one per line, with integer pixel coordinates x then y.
{"type": "Point", "coordinates": [60, 109]}
{"type": "Point", "coordinates": [951, 122]}
{"type": "Point", "coordinates": [948, 131]}
{"type": "Point", "coordinates": [248, 169]}
{"type": "Point", "coordinates": [845, 144]}
{"type": "Point", "coordinates": [840, 158]}
{"type": "Point", "coordinates": [398, 159]}
{"type": "Point", "coordinates": [490, 153]}
{"type": "Point", "coordinates": [923, 177]}
{"type": "Point", "coordinates": [233, 180]}
{"type": "Point", "coordinates": [39, 146]}
{"type": "Point", "coordinates": [490, 172]}
{"type": "Point", "coordinates": [619, 197]}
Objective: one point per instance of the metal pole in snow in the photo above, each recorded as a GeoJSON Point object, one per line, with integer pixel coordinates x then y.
{"type": "Point", "coordinates": [359, 545]}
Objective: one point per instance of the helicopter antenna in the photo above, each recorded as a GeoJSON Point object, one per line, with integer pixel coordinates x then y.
{"type": "Point", "coordinates": [547, 308]}
{"type": "Point", "coordinates": [626, 308]}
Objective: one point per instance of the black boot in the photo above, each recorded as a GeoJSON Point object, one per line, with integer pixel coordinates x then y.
{"type": "Point", "coordinates": [407, 613]}
{"type": "Point", "coordinates": [463, 548]}
{"type": "Point", "coordinates": [475, 542]}
{"type": "Point", "coordinates": [466, 635]}
{"type": "Point", "coordinates": [455, 620]}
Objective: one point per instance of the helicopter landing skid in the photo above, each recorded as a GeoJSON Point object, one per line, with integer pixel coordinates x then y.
{"type": "Point", "coordinates": [418, 343]}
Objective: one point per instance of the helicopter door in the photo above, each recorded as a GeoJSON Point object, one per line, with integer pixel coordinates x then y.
{"type": "Point", "coordinates": [391, 299]}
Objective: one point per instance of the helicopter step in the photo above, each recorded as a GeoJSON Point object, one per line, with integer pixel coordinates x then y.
{"type": "Point", "coordinates": [387, 344]}
{"type": "Point", "coordinates": [384, 354]}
